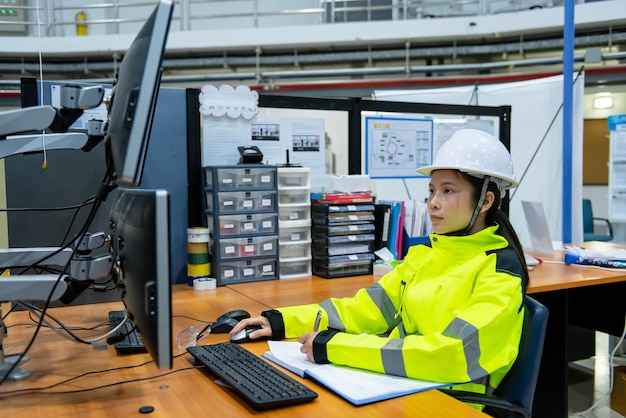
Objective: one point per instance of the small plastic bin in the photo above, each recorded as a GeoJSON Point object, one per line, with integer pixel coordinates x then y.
{"type": "Point", "coordinates": [241, 201]}
{"type": "Point", "coordinates": [237, 177]}
{"type": "Point", "coordinates": [244, 224]}
{"type": "Point", "coordinates": [294, 196]}
{"type": "Point", "coordinates": [343, 265]}
{"type": "Point", "coordinates": [291, 250]}
{"type": "Point", "coordinates": [247, 247]}
{"type": "Point", "coordinates": [294, 212]}
{"type": "Point", "coordinates": [294, 231]}
{"type": "Point", "coordinates": [248, 270]}
{"type": "Point", "coordinates": [293, 176]}
{"type": "Point", "coordinates": [297, 267]}
{"type": "Point", "coordinates": [324, 231]}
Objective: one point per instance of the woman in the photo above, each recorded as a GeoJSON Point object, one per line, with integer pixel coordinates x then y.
{"type": "Point", "coordinates": [452, 310]}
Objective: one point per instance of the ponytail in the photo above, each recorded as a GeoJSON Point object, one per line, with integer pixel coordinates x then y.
{"type": "Point", "coordinates": [508, 232]}
{"type": "Point", "coordinates": [495, 216]}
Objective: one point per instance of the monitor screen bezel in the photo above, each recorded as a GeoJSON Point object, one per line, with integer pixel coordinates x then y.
{"type": "Point", "coordinates": [134, 96]}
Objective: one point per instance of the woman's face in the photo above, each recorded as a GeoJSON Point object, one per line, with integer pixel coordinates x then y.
{"type": "Point", "coordinates": [450, 201]}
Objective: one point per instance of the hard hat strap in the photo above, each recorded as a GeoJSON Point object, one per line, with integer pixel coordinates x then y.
{"type": "Point", "coordinates": [479, 205]}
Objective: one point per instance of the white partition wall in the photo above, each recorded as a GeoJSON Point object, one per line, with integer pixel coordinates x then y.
{"type": "Point", "coordinates": [536, 142]}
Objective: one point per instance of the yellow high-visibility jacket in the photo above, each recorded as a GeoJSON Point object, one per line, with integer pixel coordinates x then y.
{"type": "Point", "coordinates": [451, 312]}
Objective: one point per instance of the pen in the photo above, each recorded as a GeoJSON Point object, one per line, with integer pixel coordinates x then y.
{"type": "Point", "coordinates": [318, 318]}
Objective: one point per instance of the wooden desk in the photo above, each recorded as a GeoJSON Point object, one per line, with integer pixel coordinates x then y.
{"type": "Point", "coordinates": [185, 391]}
{"type": "Point", "coordinates": [584, 296]}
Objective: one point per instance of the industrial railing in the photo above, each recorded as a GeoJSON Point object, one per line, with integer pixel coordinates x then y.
{"type": "Point", "coordinates": [84, 17]}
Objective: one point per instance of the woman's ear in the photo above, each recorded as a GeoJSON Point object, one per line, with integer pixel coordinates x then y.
{"type": "Point", "coordinates": [488, 202]}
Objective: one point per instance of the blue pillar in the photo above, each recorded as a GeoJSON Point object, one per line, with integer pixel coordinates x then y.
{"type": "Point", "coordinates": [568, 75]}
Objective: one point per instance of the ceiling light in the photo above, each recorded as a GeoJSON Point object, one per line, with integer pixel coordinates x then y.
{"type": "Point", "coordinates": [604, 102]}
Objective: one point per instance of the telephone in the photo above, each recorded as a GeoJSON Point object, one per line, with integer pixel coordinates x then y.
{"type": "Point", "coordinates": [250, 155]}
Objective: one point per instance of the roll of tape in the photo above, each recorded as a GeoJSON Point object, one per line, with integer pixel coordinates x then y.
{"type": "Point", "coordinates": [198, 234]}
{"type": "Point", "coordinates": [204, 283]}
{"type": "Point", "coordinates": [198, 270]}
{"type": "Point", "coordinates": [198, 259]}
{"type": "Point", "coordinates": [200, 284]}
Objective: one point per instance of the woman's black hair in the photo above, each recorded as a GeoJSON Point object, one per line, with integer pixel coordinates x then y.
{"type": "Point", "coordinates": [495, 216]}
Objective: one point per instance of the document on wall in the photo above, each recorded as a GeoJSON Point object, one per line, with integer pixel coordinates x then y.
{"type": "Point", "coordinates": [220, 139]}
{"type": "Point", "coordinates": [357, 386]}
{"type": "Point", "coordinates": [302, 140]}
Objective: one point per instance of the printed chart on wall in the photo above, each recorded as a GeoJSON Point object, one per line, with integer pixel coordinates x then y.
{"type": "Point", "coordinates": [397, 147]}
{"type": "Point", "coordinates": [303, 137]}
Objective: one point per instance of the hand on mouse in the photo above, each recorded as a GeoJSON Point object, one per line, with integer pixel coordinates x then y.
{"type": "Point", "coordinates": [260, 321]}
{"type": "Point", "coordinates": [307, 345]}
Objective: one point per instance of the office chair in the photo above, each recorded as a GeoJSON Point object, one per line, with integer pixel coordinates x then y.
{"type": "Point", "coordinates": [514, 397]}
{"type": "Point", "coordinates": [589, 224]}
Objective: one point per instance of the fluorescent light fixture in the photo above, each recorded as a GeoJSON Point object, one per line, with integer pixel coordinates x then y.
{"type": "Point", "coordinates": [603, 102]}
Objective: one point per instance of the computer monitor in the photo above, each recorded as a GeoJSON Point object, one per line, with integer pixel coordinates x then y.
{"type": "Point", "coordinates": [134, 96]}
{"type": "Point", "coordinates": [140, 243]}
{"type": "Point", "coordinates": [140, 218]}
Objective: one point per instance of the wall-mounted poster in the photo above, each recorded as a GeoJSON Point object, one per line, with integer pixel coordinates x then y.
{"type": "Point", "coordinates": [397, 147]}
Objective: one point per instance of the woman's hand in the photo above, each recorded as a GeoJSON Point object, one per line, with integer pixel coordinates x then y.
{"type": "Point", "coordinates": [259, 321]}
{"type": "Point", "coordinates": [307, 345]}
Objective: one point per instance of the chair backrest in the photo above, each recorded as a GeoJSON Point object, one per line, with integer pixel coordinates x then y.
{"type": "Point", "coordinates": [587, 216]}
{"type": "Point", "coordinates": [518, 386]}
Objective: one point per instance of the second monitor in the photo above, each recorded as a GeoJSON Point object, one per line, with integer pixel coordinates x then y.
{"type": "Point", "coordinates": [140, 244]}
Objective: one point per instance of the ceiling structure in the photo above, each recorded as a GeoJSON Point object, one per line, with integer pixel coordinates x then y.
{"type": "Point", "coordinates": [358, 67]}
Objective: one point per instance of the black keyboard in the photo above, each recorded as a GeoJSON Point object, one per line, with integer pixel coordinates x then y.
{"type": "Point", "coordinates": [132, 342]}
{"type": "Point", "coordinates": [260, 384]}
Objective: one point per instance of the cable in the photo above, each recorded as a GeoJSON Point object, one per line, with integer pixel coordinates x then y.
{"type": "Point", "coordinates": [50, 209]}
{"type": "Point", "coordinates": [532, 158]}
{"type": "Point", "coordinates": [69, 228]}
{"type": "Point", "coordinates": [104, 187]}
{"type": "Point", "coordinates": [406, 187]}
{"type": "Point", "coordinates": [611, 367]}
{"type": "Point", "coordinates": [44, 165]}
{"type": "Point", "coordinates": [108, 385]}
{"type": "Point", "coordinates": [75, 328]}
{"type": "Point", "coordinates": [40, 390]}
{"type": "Point", "coordinates": [190, 317]}
{"type": "Point", "coordinates": [73, 337]}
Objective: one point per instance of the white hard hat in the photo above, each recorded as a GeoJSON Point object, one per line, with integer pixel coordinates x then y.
{"type": "Point", "coordinates": [478, 154]}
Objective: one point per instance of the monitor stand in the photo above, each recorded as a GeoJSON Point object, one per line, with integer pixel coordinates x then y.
{"type": "Point", "coordinates": [48, 287]}
{"type": "Point", "coordinates": [7, 362]}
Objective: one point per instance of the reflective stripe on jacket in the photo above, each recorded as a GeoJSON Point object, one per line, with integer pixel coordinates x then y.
{"type": "Point", "coordinates": [449, 313]}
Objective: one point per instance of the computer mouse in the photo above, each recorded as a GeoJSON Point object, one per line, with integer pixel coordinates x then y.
{"type": "Point", "coordinates": [238, 314]}
{"type": "Point", "coordinates": [243, 336]}
{"type": "Point", "coordinates": [227, 321]}
{"type": "Point", "coordinates": [223, 326]}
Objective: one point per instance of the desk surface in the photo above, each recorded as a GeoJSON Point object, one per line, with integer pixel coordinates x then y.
{"type": "Point", "coordinates": [183, 391]}
{"type": "Point", "coordinates": [553, 274]}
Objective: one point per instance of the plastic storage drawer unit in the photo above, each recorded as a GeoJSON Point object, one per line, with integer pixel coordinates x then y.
{"type": "Point", "coordinates": [234, 177]}
{"type": "Point", "coordinates": [241, 210]}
